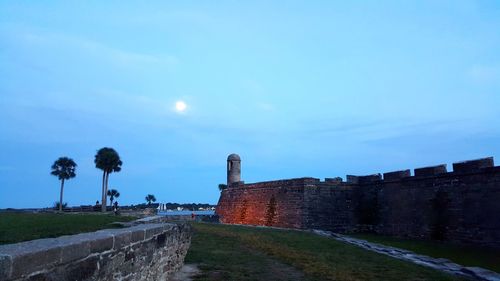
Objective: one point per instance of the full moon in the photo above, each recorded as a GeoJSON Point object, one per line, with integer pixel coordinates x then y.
{"type": "Point", "coordinates": [180, 106]}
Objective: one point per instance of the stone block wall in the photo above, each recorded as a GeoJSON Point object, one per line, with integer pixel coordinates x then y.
{"type": "Point", "coordinates": [329, 206]}
{"type": "Point", "coordinates": [273, 203]}
{"type": "Point", "coordinates": [460, 206]}
{"type": "Point", "coordinates": [149, 251]}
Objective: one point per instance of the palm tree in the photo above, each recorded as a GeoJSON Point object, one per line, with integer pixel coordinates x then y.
{"type": "Point", "coordinates": [113, 193]}
{"type": "Point", "coordinates": [108, 160]}
{"type": "Point", "coordinates": [64, 168]}
{"type": "Point", "coordinates": [150, 198]}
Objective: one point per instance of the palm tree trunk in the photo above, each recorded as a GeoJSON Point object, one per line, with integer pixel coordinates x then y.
{"type": "Point", "coordinates": [61, 196]}
{"type": "Point", "coordinates": [103, 201]}
{"type": "Point", "coordinates": [106, 190]}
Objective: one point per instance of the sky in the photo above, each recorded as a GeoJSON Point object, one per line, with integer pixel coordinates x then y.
{"type": "Point", "coordinates": [296, 88]}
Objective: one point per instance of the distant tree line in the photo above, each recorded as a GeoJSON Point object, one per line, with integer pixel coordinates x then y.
{"type": "Point", "coordinates": [107, 160]}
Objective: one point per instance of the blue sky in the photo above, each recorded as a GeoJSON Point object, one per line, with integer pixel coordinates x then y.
{"type": "Point", "coordinates": [297, 88]}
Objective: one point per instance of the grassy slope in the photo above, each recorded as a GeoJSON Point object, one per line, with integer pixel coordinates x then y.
{"type": "Point", "coordinates": [17, 227]}
{"type": "Point", "coordinates": [242, 253]}
{"type": "Point", "coordinates": [464, 255]}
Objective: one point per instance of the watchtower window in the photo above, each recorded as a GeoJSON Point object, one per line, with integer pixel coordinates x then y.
{"type": "Point", "coordinates": [229, 166]}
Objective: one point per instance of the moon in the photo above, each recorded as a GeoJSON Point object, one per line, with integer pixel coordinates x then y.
{"type": "Point", "coordinates": [180, 106]}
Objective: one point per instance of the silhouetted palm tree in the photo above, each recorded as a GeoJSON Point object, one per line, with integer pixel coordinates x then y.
{"type": "Point", "coordinates": [150, 198]}
{"type": "Point", "coordinates": [113, 193]}
{"type": "Point", "coordinates": [64, 168]}
{"type": "Point", "coordinates": [108, 160]}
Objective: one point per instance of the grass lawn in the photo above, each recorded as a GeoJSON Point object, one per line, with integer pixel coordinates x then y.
{"type": "Point", "coordinates": [226, 252]}
{"type": "Point", "coordinates": [17, 227]}
{"type": "Point", "coordinates": [464, 255]}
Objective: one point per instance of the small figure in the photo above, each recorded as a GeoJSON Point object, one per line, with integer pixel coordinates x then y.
{"type": "Point", "coordinates": [96, 207]}
{"type": "Point", "coordinates": [115, 208]}
{"type": "Point", "coordinates": [193, 216]}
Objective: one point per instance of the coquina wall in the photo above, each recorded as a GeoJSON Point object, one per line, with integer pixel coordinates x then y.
{"type": "Point", "coordinates": [151, 251]}
{"type": "Point", "coordinates": [460, 206]}
{"type": "Point", "coordinates": [276, 203]}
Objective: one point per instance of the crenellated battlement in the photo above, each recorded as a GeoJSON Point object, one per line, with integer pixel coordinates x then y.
{"type": "Point", "coordinates": [478, 166]}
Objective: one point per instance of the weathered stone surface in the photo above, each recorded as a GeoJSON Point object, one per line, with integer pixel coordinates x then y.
{"type": "Point", "coordinates": [81, 270]}
{"type": "Point", "coordinates": [121, 237]}
{"type": "Point", "coordinates": [352, 179]}
{"type": "Point", "coordinates": [5, 267]}
{"type": "Point", "coordinates": [473, 165]}
{"type": "Point", "coordinates": [432, 204]}
{"type": "Point", "coordinates": [430, 171]}
{"type": "Point", "coordinates": [74, 249]}
{"type": "Point", "coordinates": [369, 178]}
{"type": "Point", "coordinates": [484, 274]}
{"type": "Point", "coordinates": [233, 169]}
{"type": "Point", "coordinates": [30, 256]}
{"type": "Point", "coordinates": [153, 229]}
{"type": "Point", "coordinates": [333, 180]}
{"type": "Point", "coordinates": [114, 254]}
{"type": "Point", "coordinates": [138, 234]}
{"type": "Point", "coordinates": [397, 175]}
{"type": "Point", "coordinates": [100, 242]}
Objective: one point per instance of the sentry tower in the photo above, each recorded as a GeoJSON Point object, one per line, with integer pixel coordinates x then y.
{"type": "Point", "coordinates": [233, 169]}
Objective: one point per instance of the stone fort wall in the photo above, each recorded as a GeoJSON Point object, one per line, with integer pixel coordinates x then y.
{"type": "Point", "coordinates": [462, 205]}
{"type": "Point", "coordinates": [149, 251]}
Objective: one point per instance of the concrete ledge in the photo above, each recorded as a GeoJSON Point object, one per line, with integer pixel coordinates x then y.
{"type": "Point", "coordinates": [21, 260]}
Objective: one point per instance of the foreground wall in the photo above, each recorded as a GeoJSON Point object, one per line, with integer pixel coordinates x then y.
{"type": "Point", "coordinates": [460, 206]}
{"type": "Point", "coordinates": [150, 251]}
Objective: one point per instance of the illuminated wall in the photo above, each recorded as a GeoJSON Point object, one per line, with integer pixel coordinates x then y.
{"type": "Point", "coordinates": [460, 206]}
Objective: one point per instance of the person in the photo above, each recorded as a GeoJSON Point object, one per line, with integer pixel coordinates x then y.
{"type": "Point", "coordinates": [192, 215]}
{"type": "Point", "coordinates": [115, 208]}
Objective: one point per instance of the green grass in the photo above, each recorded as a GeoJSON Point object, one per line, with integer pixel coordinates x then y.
{"type": "Point", "coordinates": [464, 255]}
{"type": "Point", "coordinates": [17, 227]}
{"type": "Point", "coordinates": [225, 252]}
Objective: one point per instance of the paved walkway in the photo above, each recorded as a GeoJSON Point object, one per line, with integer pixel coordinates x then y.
{"type": "Point", "coordinates": [476, 273]}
